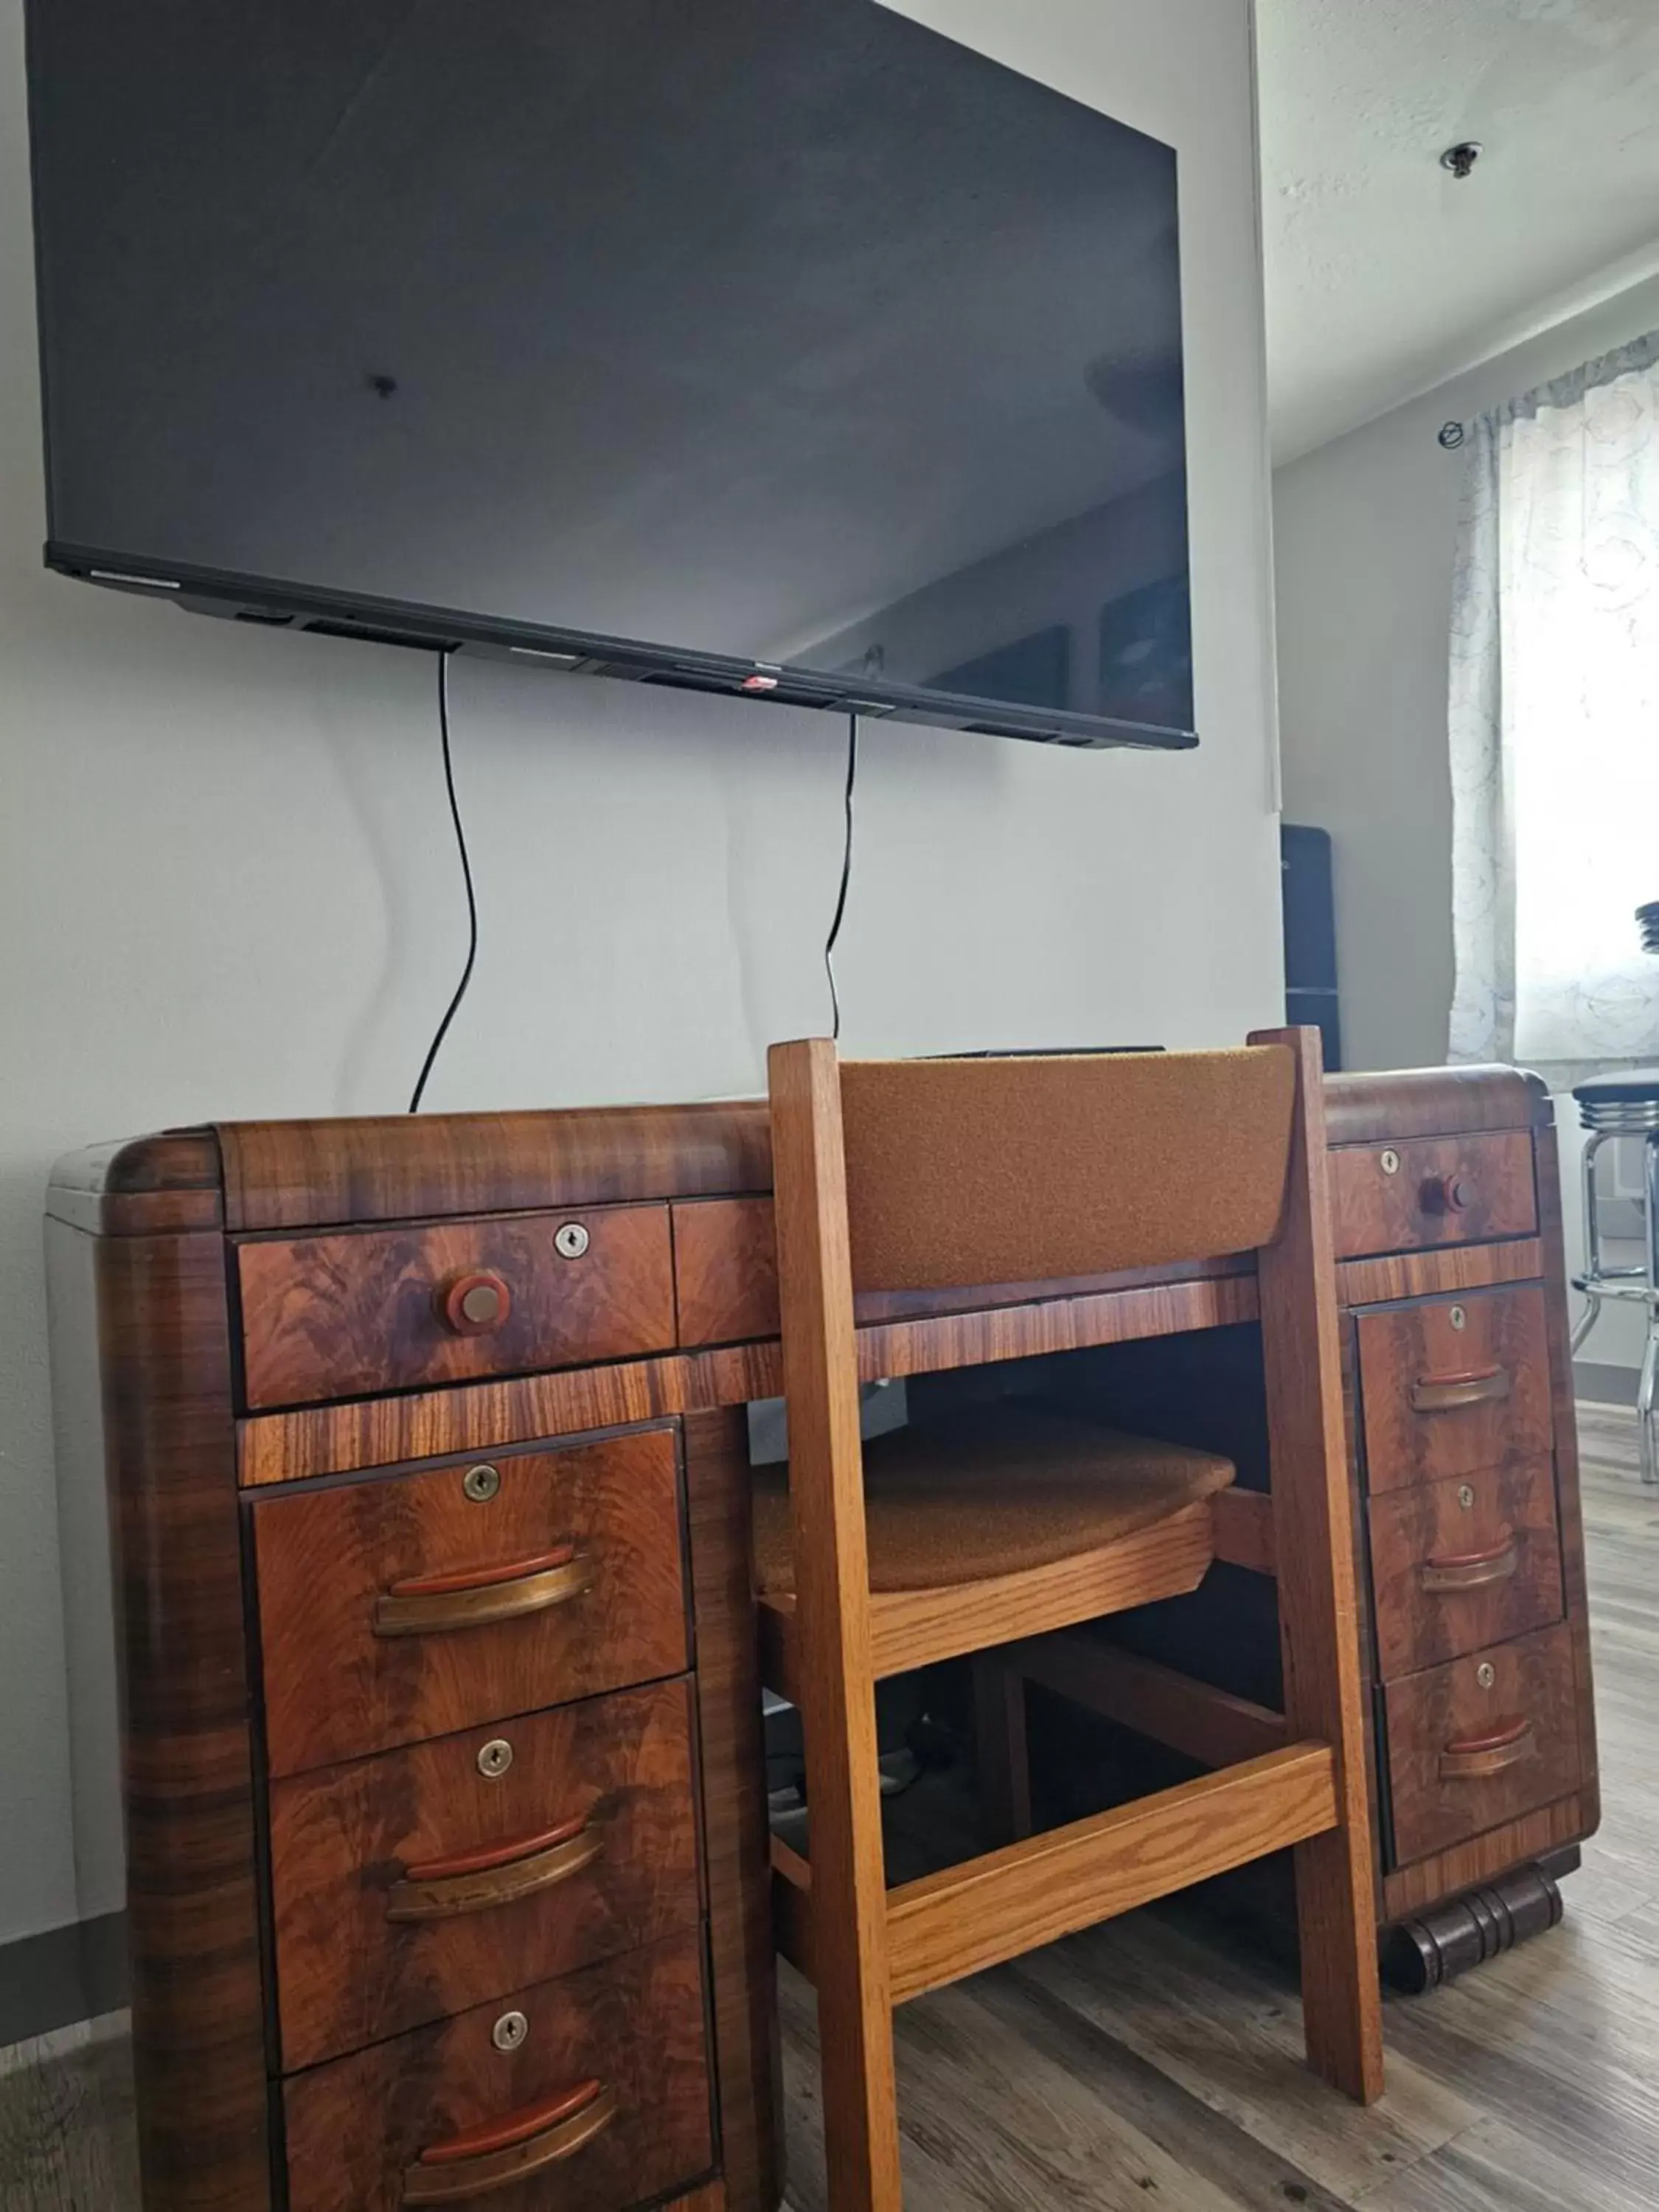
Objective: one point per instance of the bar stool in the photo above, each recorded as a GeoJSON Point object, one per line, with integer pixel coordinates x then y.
{"type": "Point", "coordinates": [1625, 1105]}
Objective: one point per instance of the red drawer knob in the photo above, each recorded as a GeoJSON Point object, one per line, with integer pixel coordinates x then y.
{"type": "Point", "coordinates": [472, 1305]}
{"type": "Point", "coordinates": [1447, 1193]}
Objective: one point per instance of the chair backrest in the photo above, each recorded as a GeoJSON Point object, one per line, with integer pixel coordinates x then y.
{"type": "Point", "coordinates": [1034, 1169]}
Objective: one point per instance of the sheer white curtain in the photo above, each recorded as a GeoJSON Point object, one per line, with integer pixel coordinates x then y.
{"type": "Point", "coordinates": [1554, 721]}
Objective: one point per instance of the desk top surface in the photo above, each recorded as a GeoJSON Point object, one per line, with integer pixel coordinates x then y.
{"type": "Point", "coordinates": [260, 1176]}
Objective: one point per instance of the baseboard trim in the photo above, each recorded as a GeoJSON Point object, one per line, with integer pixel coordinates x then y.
{"type": "Point", "coordinates": [1599, 1385]}
{"type": "Point", "coordinates": [68, 1974]}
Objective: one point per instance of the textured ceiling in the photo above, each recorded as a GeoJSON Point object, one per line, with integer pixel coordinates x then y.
{"type": "Point", "coordinates": [1385, 274]}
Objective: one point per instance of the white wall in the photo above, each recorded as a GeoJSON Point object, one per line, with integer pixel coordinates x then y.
{"type": "Point", "coordinates": [228, 888]}
{"type": "Point", "coordinates": [1364, 535]}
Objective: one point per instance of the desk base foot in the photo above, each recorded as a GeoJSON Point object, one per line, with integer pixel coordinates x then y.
{"type": "Point", "coordinates": [1437, 1945]}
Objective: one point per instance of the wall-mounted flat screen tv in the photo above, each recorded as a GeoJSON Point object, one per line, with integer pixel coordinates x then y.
{"type": "Point", "coordinates": [784, 346]}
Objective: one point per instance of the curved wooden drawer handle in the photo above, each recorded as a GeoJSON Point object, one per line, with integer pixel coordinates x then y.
{"type": "Point", "coordinates": [473, 1881]}
{"type": "Point", "coordinates": [1477, 1756]}
{"type": "Point", "coordinates": [501, 2151]}
{"type": "Point", "coordinates": [429, 1605]}
{"type": "Point", "coordinates": [1444, 1394]}
{"type": "Point", "coordinates": [1470, 1571]}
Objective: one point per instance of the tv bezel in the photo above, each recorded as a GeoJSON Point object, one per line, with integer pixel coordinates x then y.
{"type": "Point", "coordinates": [269, 604]}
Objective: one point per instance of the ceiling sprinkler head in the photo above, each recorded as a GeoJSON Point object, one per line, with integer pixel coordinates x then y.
{"type": "Point", "coordinates": [1462, 158]}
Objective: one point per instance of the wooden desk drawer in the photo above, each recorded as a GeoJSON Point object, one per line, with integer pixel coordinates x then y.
{"type": "Point", "coordinates": [584, 1847]}
{"type": "Point", "coordinates": [1474, 1743]}
{"type": "Point", "coordinates": [1432, 1190]}
{"type": "Point", "coordinates": [365, 1311]}
{"type": "Point", "coordinates": [1452, 1385]}
{"type": "Point", "coordinates": [570, 1581]}
{"type": "Point", "coordinates": [356, 2129]}
{"type": "Point", "coordinates": [1459, 1564]}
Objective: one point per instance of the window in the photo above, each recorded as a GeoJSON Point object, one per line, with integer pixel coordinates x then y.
{"type": "Point", "coordinates": [1554, 721]}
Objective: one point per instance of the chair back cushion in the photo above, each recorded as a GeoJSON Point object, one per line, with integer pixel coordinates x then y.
{"type": "Point", "coordinates": [963, 1172]}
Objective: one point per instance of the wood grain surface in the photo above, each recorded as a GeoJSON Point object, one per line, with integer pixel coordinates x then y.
{"type": "Point", "coordinates": [403, 1167]}
{"type": "Point", "coordinates": [1407, 1354]}
{"type": "Point", "coordinates": [1453, 1267]}
{"type": "Point", "coordinates": [186, 1750]}
{"type": "Point", "coordinates": [831, 1632]}
{"type": "Point", "coordinates": [1569, 1511]}
{"type": "Point", "coordinates": [1467, 1701]}
{"type": "Point", "coordinates": [346, 1315]}
{"type": "Point", "coordinates": [343, 1839]}
{"type": "Point", "coordinates": [324, 1556]}
{"type": "Point", "coordinates": [69, 2137]}
{"type": "Point", "coordinates": [1319, 1633]}
{"type": "Point", "coordinates": [1379, 1106]}
{"type": "Point", "coordinates": [743, 1989]}
{"type": "Point", "coordinates": [1501, 1527]}
{"type": "Point", "coordinates": [635, 2026]}
{"type": "Point", "coordinates": [1462, 1866]}
{"type": "Point", "coordinates": [144, 1186]}
{"type": "Point", "coordinates": [1214, 1727]}
{"type": "Point", "coordinates": [1380, 1210]}
{"type": "Point", "coordinates": [487, 1417]}
{"type": "Point", "coordinates": [1164, 2050]}
{"type": "Point", "coordinates": [275, 1448]}
{"type": "Point", "coordinates": [1244, 1533]}
{"type": "Point", "coordinates": [1005, 1902]}
{"type": "Point", "coordinates": [725, 1270]}
{"type": "Point", "coordinates": [915, 1628]}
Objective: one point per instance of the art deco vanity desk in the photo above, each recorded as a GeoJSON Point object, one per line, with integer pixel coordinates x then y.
{"type": "Point", "coordinates": [418, 1914]}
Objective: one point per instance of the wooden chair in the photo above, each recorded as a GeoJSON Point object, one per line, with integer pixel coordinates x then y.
{"type": "Point", "coordinates": [897, 1177]}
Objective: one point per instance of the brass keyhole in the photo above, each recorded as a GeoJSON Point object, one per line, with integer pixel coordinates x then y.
{"type": "Point", "coordinates": [1458, 1317]}
{"type": "Point", "coordinates": [1389, 1161]}
{"type": "Point", "coordinates": [571, 1241]}
{"type": "Point", "coordinates": [495, 1758]}
{"type": "Point", "coordinates": [481, 1484]}
{"type": "Point", "coordinates": [1486, 1674]}
{"type": "Point", "coordinates": [509, 2031]}
{"type": "Point", "coordinates": [1466, 1495]}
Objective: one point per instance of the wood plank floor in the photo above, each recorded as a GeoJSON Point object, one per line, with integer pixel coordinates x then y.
{"type": "Point", "coordinates": [1140, 2065]}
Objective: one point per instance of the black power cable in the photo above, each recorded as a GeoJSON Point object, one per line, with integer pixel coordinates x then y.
{"type": "Point", "coordinates": [846, 872]}
{"type": "Point", "coordinates": [467, 876]}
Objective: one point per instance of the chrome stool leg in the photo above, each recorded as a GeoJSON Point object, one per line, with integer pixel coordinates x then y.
{"type": "Point", "coordinates": [1625, 1106]}
{"type": "Point", "coordinates": [1646, 1390]}
{"type": "Point", "coordinates": [1592, 1273]}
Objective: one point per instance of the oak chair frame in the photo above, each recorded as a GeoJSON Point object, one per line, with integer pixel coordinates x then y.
{"type": "Point", "coordinates": [831, 1641]}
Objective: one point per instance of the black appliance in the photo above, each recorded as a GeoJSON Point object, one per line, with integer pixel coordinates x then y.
{"type": "Point", "coordinates": [1310, 986]}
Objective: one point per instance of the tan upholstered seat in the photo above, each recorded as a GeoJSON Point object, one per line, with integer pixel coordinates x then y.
{"type": "Point", "coordinates": [1006, 1488]}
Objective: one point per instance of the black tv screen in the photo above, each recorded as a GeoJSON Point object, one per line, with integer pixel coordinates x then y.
{"type": "Point", "coordinates": [777, 345]}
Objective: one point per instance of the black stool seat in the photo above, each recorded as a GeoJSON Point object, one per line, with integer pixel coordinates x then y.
{"type": "Point", "coordinates": [1630, 1086]}
{"type": "Point", "coordinates": [1627, 1104]}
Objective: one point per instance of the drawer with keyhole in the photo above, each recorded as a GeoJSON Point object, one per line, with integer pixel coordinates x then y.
{"type": "Point", "coordinates": [412, 1605]}
{"type": "Point", "coordinates": [1456, 1564]}
{"type": "Point", "coordinates": [1450, 1386]}
{"type": "Point", "coordinates": [356, 1311]}
{"type": "Point", "coordinates": [423, 1881]}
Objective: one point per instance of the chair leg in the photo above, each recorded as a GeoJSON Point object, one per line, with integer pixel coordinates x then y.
{"type": "Point", "coordinates": [1318, 1604]}
{"type": "Point", "coordinates": [1005, 1774]}
{"type": "Point", "coordinates": [850, 1970]}
{"type": "Point", "coordinates": [835, 1667]}
{"type": "Point", "coordinates": [1336, 1919]}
